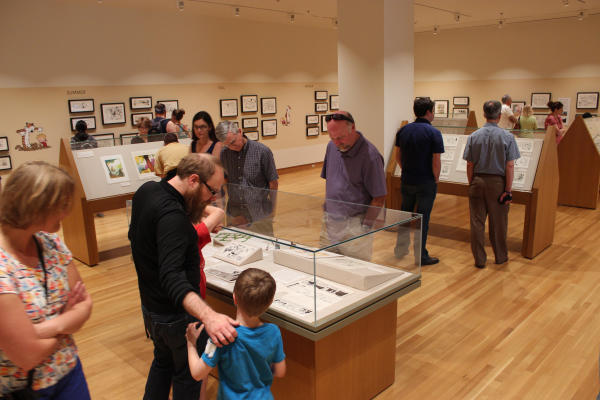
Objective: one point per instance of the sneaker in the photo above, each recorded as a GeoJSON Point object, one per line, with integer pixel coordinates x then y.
{"type": "Point", "coordinates": [429, 260]}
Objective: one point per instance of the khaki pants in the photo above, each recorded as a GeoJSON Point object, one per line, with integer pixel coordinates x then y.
{"type": "Point", "coordinates": [484, 192]}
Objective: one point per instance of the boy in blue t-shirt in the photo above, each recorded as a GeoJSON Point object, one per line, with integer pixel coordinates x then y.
{"type": "Point", "coordinates": [248, 365]}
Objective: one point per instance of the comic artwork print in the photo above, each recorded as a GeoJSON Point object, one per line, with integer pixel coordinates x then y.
{"type": "Point", "coordinates": [32, 138]}
{"type": "Point", "coordinates": [144, 163]}
{"type": "Point", "coordinates": [114, 168]}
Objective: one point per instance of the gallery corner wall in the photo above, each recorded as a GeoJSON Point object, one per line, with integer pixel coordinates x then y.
{"type": "Point", "coordinates": [111, 52]}
{"type": "Point", "coordinates": [484, 63]}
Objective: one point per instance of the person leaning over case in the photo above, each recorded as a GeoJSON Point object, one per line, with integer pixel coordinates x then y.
{"type": "Point", "coordinates": [169, 156]}
{"type": "Point", "coordinates": [419, 148]}
{"type": "Point", "coordinates": [490, 153]}
{"type": "Point", "coordinates": [43, 300]}
{"type": "Point", "coordinates": [164, 245]}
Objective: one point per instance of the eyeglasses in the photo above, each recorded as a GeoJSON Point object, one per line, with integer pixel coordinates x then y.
{"type": "Point", "coordinates": [338, 117]}
{"type": "Point", "coordinates": [212, 191]}
{"type": "Point", "coordinates": [201, 127]}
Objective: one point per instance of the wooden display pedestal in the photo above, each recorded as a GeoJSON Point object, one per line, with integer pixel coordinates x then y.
{"type": "Point", "coordinates": [354, 362]}
{"type": "Point", "coordinates": [540, 203]}
{"type": "Point", "coordinates": [579, 167]}
{"type": "Point", "coordinates": [79, 229]}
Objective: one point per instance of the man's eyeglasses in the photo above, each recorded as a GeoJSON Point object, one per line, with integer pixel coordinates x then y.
{"type": "Point", "coordinates": [212, 191]}
{"type": "Point", "coordinates": [338, 117]}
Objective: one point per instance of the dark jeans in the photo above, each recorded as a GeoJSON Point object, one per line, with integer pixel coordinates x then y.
{"type": "Point", "coordinates": [419, 199]}
{"type": "Point", "coordinates": [71, 387]}
{"type": "Point", "coordinates": [170, 364]}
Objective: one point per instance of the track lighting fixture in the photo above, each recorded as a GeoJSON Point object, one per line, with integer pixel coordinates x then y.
{"type": "Point", "coordinates": [581, 15]}
{"type": "Point", "coordinates": [457, 17]}
{"type": "Point", "coordinates": [180, 5]}
{"type": "Point", "coordinates": [292, 18]}
{"type": "Point", "coordinates": [435, 30]}
{"type": "Point", "coordinates": [565, 3]}
{"type": "Point", "coordinates": [237, 11]}
{"type": "Point", "coordinates": [501, 21]}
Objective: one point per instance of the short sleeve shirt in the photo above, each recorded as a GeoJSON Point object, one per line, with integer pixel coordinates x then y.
{"type": "Point", "coordinates": [418, 142]}
{"type": "Point", "coordinates": [253, 165]}
{"type": "Point", "coordinates": [245, 365]}
{"type": "Point", "coordinates": [490, 148]}
{"type": "Point", "coordinates": [27, 283]}
{"type": "Point", "coordinates": [505, 115]}
{"type": "Point", "coordinates": [169, 156]}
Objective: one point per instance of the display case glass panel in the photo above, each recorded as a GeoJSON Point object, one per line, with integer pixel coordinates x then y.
{"type": "Point", "coordinates": [330, 259]}
{"type": "Point", "coordinates": [593, 126]}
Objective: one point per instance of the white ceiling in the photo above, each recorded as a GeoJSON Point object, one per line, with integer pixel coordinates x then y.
{"type": "Point", "coordinates": [428, 13]}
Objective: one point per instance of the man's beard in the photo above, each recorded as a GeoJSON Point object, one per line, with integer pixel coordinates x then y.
{"type": "Point", "coordinates": [195, 205]}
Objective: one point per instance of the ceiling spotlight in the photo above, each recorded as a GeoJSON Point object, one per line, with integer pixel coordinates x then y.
{"type": "Point", "coordinates": [581, 15]}
{"type": "Point", "coordinates": [501, 21]}
{"type": "Point", "coordinates": [335, 22]}
{"type": "Point", "coordinates": [457, 17]}
{"type": "Point", "coordinates": [292, 18]}
{"type": "Point", "coordinates": [435, 30]}
{"type": "Point", "coordinates": [237, 11]}
{"type": "Point", "coordinates": [180, 5]}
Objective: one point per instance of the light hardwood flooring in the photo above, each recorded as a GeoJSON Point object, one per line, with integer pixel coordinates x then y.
{"type": "Point", "coordinates": [528, 329]}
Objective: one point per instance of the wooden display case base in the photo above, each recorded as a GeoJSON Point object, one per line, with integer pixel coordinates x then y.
{"type": "Point", "coordinates": [354, 362]}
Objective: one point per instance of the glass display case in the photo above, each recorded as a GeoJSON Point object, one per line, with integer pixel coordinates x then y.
{"type": "Point", "coordinates": [331, 260]}
{"type": "Point", "coordinates": [109, 139]}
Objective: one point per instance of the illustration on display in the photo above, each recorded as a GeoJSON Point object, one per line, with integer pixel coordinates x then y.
{"type": "Point", "coordinates": [29, 132]}
{"type": "Point", "coordinates": [144, 162]}
{"type": "Point", "coordinates": [287, 118]}
{"type": "Point", "coordinates": [114, 168]}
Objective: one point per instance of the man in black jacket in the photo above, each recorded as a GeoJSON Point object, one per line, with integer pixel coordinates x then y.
{"type": "Point", "coordinates": [164, 245]}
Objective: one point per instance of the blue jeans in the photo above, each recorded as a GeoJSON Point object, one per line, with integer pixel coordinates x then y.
{"type": "Point", "coordinates": [170, 364]}
{"type": "Point", "coordinates": [71, 387]}
{"type": "Point", "coordinates": [417, 198]}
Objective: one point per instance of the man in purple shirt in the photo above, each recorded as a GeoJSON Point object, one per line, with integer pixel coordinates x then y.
{"type": "Point", "coordinates": [354, 173]}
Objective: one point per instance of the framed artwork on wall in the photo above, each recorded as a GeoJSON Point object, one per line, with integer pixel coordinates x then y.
{"type": "Point", "coordinates": [460, 100]}
{"type": "Point", "coordinates": [312, 119]}
{"type": "Point", "coordinates": [440, 109]}
{"type": "Point", "coordinates": [170, 105]}
{"type": "Point", "coordinates": [136, 117]}
{"type": "Point", "coordinates": [540, 100]}
{"type": "Point", "coordinates": [320, 94]}
{"type": "Point", "coordinates": [248, 123]}
{"type": "Point", "coordinates": [587, 100]}
{"type": "Point", "coordinates": [541, 120]}
{"type": "Point", "coordinates": [90, 121]}
{"type": "Point", "coordinates": [323, 123]}
{"type": "Point", "coordinates": [460, 113]}
{"type": "Point", "coordinates": [269, 127]}
{"type": "Point", "coordinates": [3, 143]}
{"type": "Point", "coordinates": [126, 137]}
{"type": "Point", "coordinates": [113, 113]}
{"type": "Point", "coordinates": [5, 163]}
{"type": "Point", "coordinates": [334, 102]}
{"type": "Point", "coordinates": [81, 106]}
{"type": "Point", "coordinates": [268, 105]}
{"type": "Point", "coordinates": [321, 107]}
{"type": "Point", "coordinates": [105, 139]}
{"type": "Point", "coordinates": [252, 135]}
{"type": "Point", "coordinates": [249, 103]}
{"type": "Point", "coordinates": [138, 103]}
{"type": "Point", "coordinates": [229, 107]}
{"type": "Point", "coordinates": [312, 131]}
{"type": "Point", "coordinates": [517, 106]}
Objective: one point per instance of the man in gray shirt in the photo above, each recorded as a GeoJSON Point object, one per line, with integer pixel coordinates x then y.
{"type": "Point", "coordinates": [490, 153]}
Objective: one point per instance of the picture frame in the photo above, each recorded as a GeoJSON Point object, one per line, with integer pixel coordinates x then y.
{"type": "Point", "coordinates": [323, 123]}
{"type": "Point", "coordinates": [140, 103]}
{"type": "Point", "coordinates": [249, 103]}
{"type": "Point", "coordinates": [81, 106]}
{"type": "Point", "coordinates": [587, 100]}
{"type": "Point", "coordinates": [269, 127]}
{"type": "Point", "coordinates": [516, 105]}
{"type": "Point", "coordinates": [228, 107]}
{"type": "Point", "coordinates": [252, 135]}
{"type": "Point", "coordinates": [540, 100]}
{"type": "Point", "coordinates": [5, 163]}
{"type": "Point", "coordinates": [170, 106]}
{"type": "Point", "coordinates": [460, 113]}
{"type": "Point", "coordinates": [248, 123]}
{"type": "Point", "coordinates": [114, 168]}
{"type": "Point", "coordinates": [321, 107]}
{"type": "Point", "coordinates": [312, 131]}
{"type": "Point", "coordinates": [460, 100]}
{"type": "Point", "coordinates": [105, 139]}
{"type": "Point", "coordinates": [4, 143]}
{"type": "Point", "coordinates": [423, 97]}
{"type": "Point", "coordinates": [312, 119]}
{"type": "Point", "coordinates": [135, 117]}
{"type": "Point", "coordinates": [268, 105]}
{"type": "Point", "coordinates": [440, 108]}
{"type": "Point", "coordinates": [125, 138]}
{"type": "Point", "coordinates": [334, 102]}
{"type": "Point", "coordinates": [321, 94]}
{"type": "Point", "coordinates": [113, 113]}
{"type": "Point", "coordinates": [90, 121]}
{"type": "Point", "coordinates": [144, 161]}
{"type": "Point", "coordinates": [541, 120]}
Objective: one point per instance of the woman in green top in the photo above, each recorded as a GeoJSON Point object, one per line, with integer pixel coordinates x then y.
{"type": "Point", "coordinates": [527, 122]}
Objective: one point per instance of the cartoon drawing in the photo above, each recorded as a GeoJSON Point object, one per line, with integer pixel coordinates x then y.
{"type": "Point", "coordinates": [287, 118]}
{"type": "Point", "coordinates": [26, 133]}
{"type": "Point", "coordinates": [42, 139]}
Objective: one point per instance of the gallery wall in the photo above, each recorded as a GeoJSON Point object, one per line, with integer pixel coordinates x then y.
{"type": "Point", "coordinates": [80, 50]}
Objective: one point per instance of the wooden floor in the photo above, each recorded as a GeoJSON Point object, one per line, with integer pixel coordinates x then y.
{"type": "Point", "coordinates": [529, 329]}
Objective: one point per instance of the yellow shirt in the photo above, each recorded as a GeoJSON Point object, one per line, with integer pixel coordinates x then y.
{"type": "Point", "coordinates": [169, 156]}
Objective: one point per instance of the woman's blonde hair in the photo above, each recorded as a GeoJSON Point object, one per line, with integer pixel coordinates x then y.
{"type": "Point", "coordinates": [527, 111]}
{"type": "Point", "coordinates": [34, 191]}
